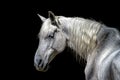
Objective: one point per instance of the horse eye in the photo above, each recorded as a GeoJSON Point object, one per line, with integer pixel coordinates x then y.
{"type": "Point", "coordinates": [54, 23]}
{"type": "Point", "coordinates": [51, 36]}
{"type": "Point", "coordinates": [55, 31]}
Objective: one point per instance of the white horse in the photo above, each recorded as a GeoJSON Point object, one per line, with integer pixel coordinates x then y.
{"type": "Point", "coordinates": [98, 44]}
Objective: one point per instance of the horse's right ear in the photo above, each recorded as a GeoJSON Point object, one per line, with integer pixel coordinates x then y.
{"type": "Point", "coordinates": [51, 16]}
{"type": "Point", "coordinates": [42, 18]}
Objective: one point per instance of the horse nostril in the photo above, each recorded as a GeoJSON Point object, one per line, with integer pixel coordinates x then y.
{"type": "Point", "coordinates": [39, 61]}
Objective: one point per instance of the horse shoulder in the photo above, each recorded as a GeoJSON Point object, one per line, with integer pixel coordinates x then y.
{"type": "Point", "coordinates": [115, 65]}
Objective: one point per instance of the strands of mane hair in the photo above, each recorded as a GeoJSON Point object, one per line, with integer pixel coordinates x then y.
{"type": "Point", "coordinates": [83, 36]}
{"type": "Point", "coordinates": [78, 58]}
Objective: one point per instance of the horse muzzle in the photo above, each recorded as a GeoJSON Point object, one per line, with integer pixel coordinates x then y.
{"type": "Point", "coordinates": [41, 62]}
{"type": "Point", "coordinates": [41, 66]}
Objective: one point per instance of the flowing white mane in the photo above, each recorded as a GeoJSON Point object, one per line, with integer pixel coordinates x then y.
{"type": "Point", "coordinates": [83, 35]}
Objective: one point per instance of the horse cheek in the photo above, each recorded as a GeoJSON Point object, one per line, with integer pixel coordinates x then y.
{"type": "Point", "coordinates": [59, 43]}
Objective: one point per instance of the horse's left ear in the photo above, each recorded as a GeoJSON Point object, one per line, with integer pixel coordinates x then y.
{"type": "Point", "coordinates": [42, 18]}
{"type": "Point", "coordinates": [51, 16]}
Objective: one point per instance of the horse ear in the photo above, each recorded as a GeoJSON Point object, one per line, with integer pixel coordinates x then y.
{"type": "Point", "coordinates": [42, 18]}
{"type": "Point", "coordinates": [51, 16]}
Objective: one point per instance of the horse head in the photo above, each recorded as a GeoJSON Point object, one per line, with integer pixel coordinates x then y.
{"type": "Point", "coordinates": [52, 41]}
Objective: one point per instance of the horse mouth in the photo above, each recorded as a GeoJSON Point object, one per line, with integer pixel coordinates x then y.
{"type": "Point", "coordinates": [42, 67]}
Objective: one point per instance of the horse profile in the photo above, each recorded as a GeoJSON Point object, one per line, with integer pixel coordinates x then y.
{"type": "Point", "coordinates": [98, 44]}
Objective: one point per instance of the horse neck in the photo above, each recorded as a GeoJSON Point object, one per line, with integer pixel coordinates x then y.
{"type": "Point", "coordinates": [82, 35]}
{"type": "Point", "coordinates": [108, 40]}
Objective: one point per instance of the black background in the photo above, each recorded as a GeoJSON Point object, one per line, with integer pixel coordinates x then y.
{"type": "Point", "coordinates": [65, 66]}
